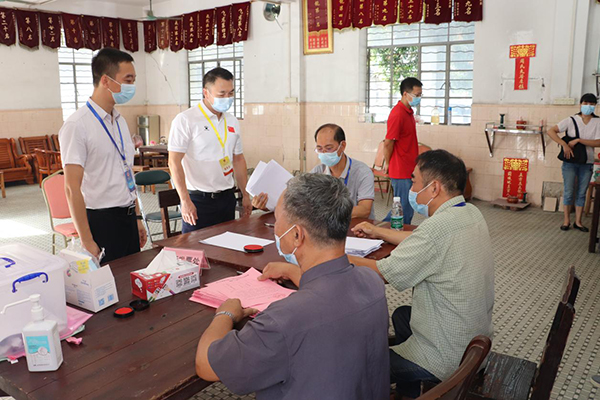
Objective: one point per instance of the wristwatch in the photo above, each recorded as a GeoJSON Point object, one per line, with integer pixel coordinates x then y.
{"type": "Point", "coordinates": [230, 315]}
{"type": "Point", "coordinates": [139, 217]}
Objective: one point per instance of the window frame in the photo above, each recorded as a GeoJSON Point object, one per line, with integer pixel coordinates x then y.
{"type": "Point", "coordinates": [73, 64]}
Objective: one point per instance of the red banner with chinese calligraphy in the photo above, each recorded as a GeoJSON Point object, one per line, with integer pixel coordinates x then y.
{"type": "Point", "coordinates": [522, 53]}
{"type": "Point", "coordinates": [150, 43]}
{"type": "Point", "coordinates": [437, 11]}
{"type": "Point", "coordinates": [468, 10]}
{"type": "Point", "coordinates": [8, 34]}
{"type": "Point", "coordinates": [515, 177]}
{"type": "Point", "coordinates": [176, 34]}
{"type": "Point", "coordinates": [110, 33]}
{"type": "Point", "coordinates": [163, 34]}
{"type": "Point", "coordinates": [190, 31]}
{"type": "Point", "coordinates": [411, 11]}
{"type": "Point", "coordinates": [341, 17]}
{"type": "Point", "coordinates": [207, 27]}
{"type": "Point", "coordinates": [73, 30]}
{"type": "Point", "coordinates": [223, 15]}
{"type": "Point", "coordinates": [385, 12]}
{"type": "Point", "coordinates": [92, 32]}
{"type": "Point", "coordinates": [50, 27]}
{"type": "Point", "coordinates": [129, 30]}
{"type": "Point", "coordinates": [240, 18]}
{"type": "Point", "coordinates": [317, 29]}
{"type": "Point", "coordinates": [28, 27]}
{"type": "Point", "coordinates": [362, 15]}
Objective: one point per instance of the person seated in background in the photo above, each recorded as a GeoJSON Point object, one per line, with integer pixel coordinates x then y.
{"type": "Point", "coordinates": [327, 340]}
{"type": "Point", "coordinates": [448, 262]}
{"type": "Point", "coordinates": [356, 175]}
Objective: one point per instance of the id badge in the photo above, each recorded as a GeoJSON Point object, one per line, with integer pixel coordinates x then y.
{"type": "Point", "coordinates": [129, 178]}
{"type": "Point", "coordinates": [226, 165]}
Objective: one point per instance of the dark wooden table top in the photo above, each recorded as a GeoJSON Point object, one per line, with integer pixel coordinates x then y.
{"type": "Point", "coordinates": [157, 148]}
{"type": "Point", "coordinates": [147, 356]}
{"type": "Point", "coordinates": [593, 242]}
{"type": "Point", "coordinates": [252, 226]}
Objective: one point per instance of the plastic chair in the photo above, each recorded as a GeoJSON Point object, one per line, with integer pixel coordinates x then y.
{"type": "Point", "coordinates": [151, 178]}
{"type": "Point", "coordinates": [53, 189]}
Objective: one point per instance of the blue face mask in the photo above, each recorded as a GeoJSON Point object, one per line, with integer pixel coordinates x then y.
{"type": "Point", "coordinates": [290, 258]}
{"type": "Point", "coordinates": [422, 209]}
{"type": "Point", "coordinates": [330, 159]}
{"type": "Point", "coordinates": [587, 109]}
{"type": "Point", "coordinates": [127, 92]}
{"type": "Point", "coordinates": [222, 104]}
{"type": "Point", "coordinates": [415, 100]}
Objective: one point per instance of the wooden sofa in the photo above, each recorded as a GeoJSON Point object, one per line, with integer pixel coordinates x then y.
{"type": "Point", "coordinates": [15, 167]}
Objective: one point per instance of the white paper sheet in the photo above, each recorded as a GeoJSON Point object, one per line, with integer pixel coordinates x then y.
{"type": "Point", "coordinates": [361, 247]}
{"type": "Point", "coordinates": [163, 262]}
{"type": "Point", "coordinates": [268, 178]}
{"type": "Point", "coordinates": [235, 241]}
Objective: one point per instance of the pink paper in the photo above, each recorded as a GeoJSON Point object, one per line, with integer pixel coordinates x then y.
{"type": "Point", "coordinates": [194, 256]}
{"type": "Point", "coordinates": [74, 340]}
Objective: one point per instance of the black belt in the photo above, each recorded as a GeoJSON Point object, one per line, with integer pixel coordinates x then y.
{"type": "Point", "coordinates": [127, 210]}
{"type": "Point", "coordinates": [214, 195]}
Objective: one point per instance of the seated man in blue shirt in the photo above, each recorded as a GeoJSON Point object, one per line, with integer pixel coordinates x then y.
{"type": "Point", "coordinates": [327, 340]}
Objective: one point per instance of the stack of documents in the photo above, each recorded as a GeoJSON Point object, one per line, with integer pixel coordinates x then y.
{"type": "Point", "coordinates": [268, 178]}
{"type": "Point", "coordinates": [246, 287]}
{"type": "Point", "coordinates": [361, 247]}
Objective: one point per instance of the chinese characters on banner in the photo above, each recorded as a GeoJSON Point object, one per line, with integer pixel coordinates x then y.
{"type": "Point", "coordinates": [50, 27]}
{"type": "Point", "coordinates": [515, 177]}
{"type": "Point", "coordinates": [110, 33]}
{"type": "Point", "coordinates": [27, 24]}
{"type": "Point", "coordinates": [150, 36]}
{"type": "Point", "coordinates": [92, 32]}
{"type": "Point", "coordinates": [207, 24]}
{"type": "Point", "coordinates": [240, 14]}
{"type": "Point", "coordinates": [342, 14]}
{"type": "Point", "coordinates": [522, 53]}
{"type": "Point", "coordinates": [163, 34]}
{"type": "Point", "coordinates": [411, 11]}
{"type": "Point", "coordinates": [438, 11]}
{"type": "Point", "coordinates": [176, 34]}
{"type": "Point", "coordinates": [73, 30]}
{"type": "Point", "coordinates": [317, 27]}
{"type": "Point", "coordinates": [223, 25]}
{"type": "Point", "coordinates": [190, 31]}
{"type": "Point", "coordinates": [8, 36]}
{"type": "Point", "coordinates": [385, 12]}
{"type": "Point", "coordinates": [129, 29]}
{"type": "Point", "coordinates": [468, 10]}
{"type": "Point", "coordinates": [362, 15]}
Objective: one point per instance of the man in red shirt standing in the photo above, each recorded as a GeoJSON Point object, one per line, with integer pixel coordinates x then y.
{"type": "Point", "coordinates": [401, 144]}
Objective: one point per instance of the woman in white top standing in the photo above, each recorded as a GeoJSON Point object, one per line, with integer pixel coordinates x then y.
{"type": "Point", "coordinates": [582, 135]}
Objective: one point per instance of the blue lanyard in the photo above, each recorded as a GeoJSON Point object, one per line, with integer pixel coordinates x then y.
{"type": "Point", "coordinates": [461, 204]}
{"type": "Point", "coordinates": [348, 174]}
{"type": "Point", "coordinates": [108, 133]}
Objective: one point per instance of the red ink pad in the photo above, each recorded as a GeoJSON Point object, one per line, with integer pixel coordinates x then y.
{"type": "Point", "coordinates": [253, 248]}
{"type": "Point", "coordinates": [123, 312]}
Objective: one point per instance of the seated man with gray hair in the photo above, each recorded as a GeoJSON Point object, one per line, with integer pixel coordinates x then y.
{"type": "Point", "coordinates": [327, 340]}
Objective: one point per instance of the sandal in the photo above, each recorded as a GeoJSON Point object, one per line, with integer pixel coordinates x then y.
{"type": "Point", "coordinates": [565, 227]}
{"type": "Point", "coordinates": [581, 228]}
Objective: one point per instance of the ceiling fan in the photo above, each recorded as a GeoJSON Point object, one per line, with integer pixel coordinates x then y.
{"type": "Point", "coordinates": [150, 15]}
{"type": "Point", "coordinates": [29, 2]}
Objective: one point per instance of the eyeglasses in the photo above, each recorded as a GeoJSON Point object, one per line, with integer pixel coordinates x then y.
{"type": "Point", "coordinates": [327, 149]}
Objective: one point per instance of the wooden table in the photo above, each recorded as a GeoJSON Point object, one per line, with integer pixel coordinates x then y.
{"type": "Point", "coordinates": [595, 218]}
{"type": "Point", "coordinates": [159, 148]}
{"type": "Point", "coordinates": [147, 356]}
{"type": "Point", "coordinates": [2, 184]}
{"type": "Point", "coordinates": [252, 226]}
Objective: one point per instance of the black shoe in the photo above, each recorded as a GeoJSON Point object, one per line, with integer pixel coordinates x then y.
{"type": "Point", "coordinates": [565, 227]}
{"type": "Point", "coordinates": [581, 228]}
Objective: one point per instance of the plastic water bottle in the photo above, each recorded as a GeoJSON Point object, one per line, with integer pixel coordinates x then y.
{"type": "Point", "coordinates": [435, 116]}
{"type": "Point", "coordinates": [397, 215]}
{"type": "Point", "coordinates": [449, 115]}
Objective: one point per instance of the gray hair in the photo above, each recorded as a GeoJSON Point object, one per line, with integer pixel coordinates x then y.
{"type": "Point", "coordinates": [321, 204]}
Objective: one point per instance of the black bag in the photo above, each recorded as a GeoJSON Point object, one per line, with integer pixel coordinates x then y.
{"type": "Point", "coordinates": [579, 151]}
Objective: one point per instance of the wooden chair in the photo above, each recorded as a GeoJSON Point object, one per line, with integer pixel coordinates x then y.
{"type": "Point", "coordinates": [53, 189]}
{"type": "Point", "coordinates": [48, 162]}
{"type": "Point", "coordinates": [166, 199]}
{"type": "Point", "coordinates": [380, 177]}
{"type": "Point", "coordinates": [55, 142]}
{"type": "Point", "coordinates": [28, 146]}
{"type": "Point", "coordinates": [456, 387]}
{"type": "Point", "coordinates": [15, 167]}
{"type": "Point", "coordinates": [423, 148]}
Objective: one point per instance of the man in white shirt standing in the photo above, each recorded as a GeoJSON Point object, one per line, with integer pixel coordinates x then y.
{"type": "Point", "coordinates": [205, 151]}
{"type": "Point", "coordinates": [97, 156]}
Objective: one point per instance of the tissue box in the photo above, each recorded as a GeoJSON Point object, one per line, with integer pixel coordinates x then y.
{"type": "Point", "coordinates": [163, 284]}
{"type": "Point", "coordinates": [92, 289]}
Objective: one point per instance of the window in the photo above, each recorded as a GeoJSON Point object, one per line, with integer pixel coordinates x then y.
{"type": "Point", "coordinates": [76, 84]}
{"type": "Point", "coordinates": [441, 56]}
{"type": "Point", "coordinates": [230, 57]}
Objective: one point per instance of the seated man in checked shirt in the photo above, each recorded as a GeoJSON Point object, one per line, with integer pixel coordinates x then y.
{"type": "Point", "coordinates": [449, 264]}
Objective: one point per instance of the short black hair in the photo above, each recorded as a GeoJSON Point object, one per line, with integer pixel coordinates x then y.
{"type": "Point", "coordinates": [338, 133]}
{"type": "Point", "coordinates": [106, 62]}
{"type": "Point", "coordinates": [445, 167]}
{"type": "Point", "coordinates": [211, 76]}
{"type": "Point", "coordinates": [408, 84]}
{"type": "Point", "coordinates": [589, 98]}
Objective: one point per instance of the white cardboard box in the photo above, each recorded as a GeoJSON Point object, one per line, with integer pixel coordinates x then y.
{"type": "Point", "coordinates": [87, 288]}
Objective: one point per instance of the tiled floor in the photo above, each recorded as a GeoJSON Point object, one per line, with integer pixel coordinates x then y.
{"type": "Point", "coordinates": [531, 255]}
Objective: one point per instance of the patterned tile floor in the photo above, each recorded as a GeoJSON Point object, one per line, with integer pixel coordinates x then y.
{"type": "Point", "coordinates": [531, 255]}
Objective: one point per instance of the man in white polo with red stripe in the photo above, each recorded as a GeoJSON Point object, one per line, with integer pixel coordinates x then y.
{"type": "Point", "coordinates": [205, 152]}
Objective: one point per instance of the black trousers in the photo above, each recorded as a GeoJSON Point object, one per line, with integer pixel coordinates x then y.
{"type": "Point", "coordinates": [211, 208]}
{"type": "Point", "coordinates": [116, 230]}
